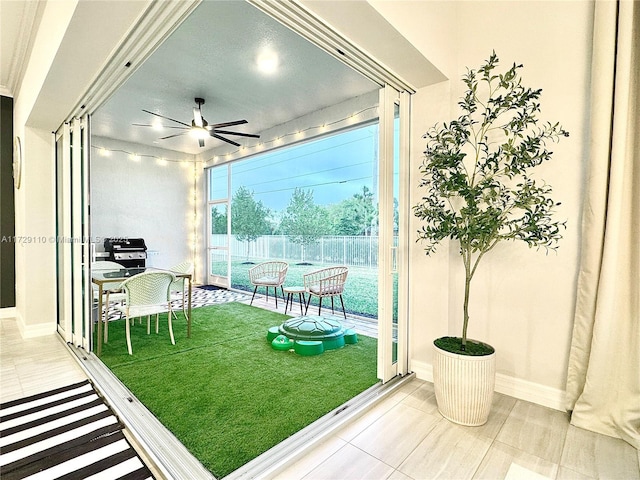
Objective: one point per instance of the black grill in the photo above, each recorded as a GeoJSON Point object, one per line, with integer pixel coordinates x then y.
{"type": "Point", "coordinates": [128, 252]}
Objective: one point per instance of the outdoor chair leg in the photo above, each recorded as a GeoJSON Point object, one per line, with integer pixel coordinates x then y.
{"type": "Point", "coordinates": [306, 306]}
{"type": "Point", "coordinates": [275, 295]}
{"type": "Point", "coordinates": [184, 302]}
{"type": "Point", "coordinates": [332, 312]}
{"type": "Point", "coordinates": [343, 311]}
{"type": "Point", "coordinates": [173, 340]}
{"type": "Point", "coordinates": [128, 327]}
{"type": "Point", "coordinates": [319, 305]}
{"type": "Point", "coordinates": [254, 294]}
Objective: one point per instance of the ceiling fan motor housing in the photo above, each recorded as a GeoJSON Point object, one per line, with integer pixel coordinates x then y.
{"type": "Point", "coordinates": [205, 124]}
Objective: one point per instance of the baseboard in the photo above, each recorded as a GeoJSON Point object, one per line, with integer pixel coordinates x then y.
{"type": "Point", "coordinates": [37, 330]}
{"type": "Point", "coordinates": [424, 371]}
{"type": "Point", "coordinates": [507, 385]}
{"type": "Point", "coordinates": [8, 312]}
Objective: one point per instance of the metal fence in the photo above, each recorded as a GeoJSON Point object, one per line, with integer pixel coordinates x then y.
{"type": "Point", "coordinates": [357, 251]}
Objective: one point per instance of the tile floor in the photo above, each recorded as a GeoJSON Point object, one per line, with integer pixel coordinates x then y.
{"type": "Point", "coordinates": [403, 437]}
{"type": "Point", "coordinates": [33, 365]}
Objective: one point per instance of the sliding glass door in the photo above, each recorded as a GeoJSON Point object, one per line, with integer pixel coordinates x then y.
{"type": "Point", "coordinates": [72, 243]}
{"type": "Point", "coordinates": [392, 271]}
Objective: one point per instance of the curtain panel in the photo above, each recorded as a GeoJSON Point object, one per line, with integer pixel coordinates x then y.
{"type": "Point", "coordinates": [603, 379]}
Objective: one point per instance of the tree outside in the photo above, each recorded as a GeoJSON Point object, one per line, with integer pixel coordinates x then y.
{"type": "Point", "coordinates": [357, 215]}
{"type": "Point", "coordinates": [303, 221]}
{"type": "Point", "coordinates": [249, 219]}
{"type": "Point", "coordinates": [218, 221]}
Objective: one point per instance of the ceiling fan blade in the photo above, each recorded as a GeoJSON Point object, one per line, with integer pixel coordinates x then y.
{"type": "Point", "coordinates": [167, 118]}
{"type": "Point", "coordinates": [154, 126]}
{"type": "Point", "coordinates": [214, 135]}
{"type": "Point", "coordinates": [226, 124]}
{"type": "Point", "coordinates": [201, 142]}
{"type": "Point", "coordinates": [171, 136]}
{"type": "Point", "coordinates": [240, 134]}
{"type": "Point", "coordinates": [197, 118]}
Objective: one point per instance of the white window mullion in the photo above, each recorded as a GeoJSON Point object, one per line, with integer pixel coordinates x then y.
{"type": "Point", "coordinates": [75, 237]}
{"type": "Point", "coordinates": [403, 235]}
{"type": "Point", "coordinates": [63, 247]}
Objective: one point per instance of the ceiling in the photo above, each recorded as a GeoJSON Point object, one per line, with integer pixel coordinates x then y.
{"type": "Point", "coordinates": [213, 55]}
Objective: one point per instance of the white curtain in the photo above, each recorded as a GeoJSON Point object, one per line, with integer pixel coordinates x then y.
{"type": "Point", "coordinates": [603, 381]}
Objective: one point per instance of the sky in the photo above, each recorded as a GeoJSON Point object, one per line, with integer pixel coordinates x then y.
{"type": "Point", "coordinates": [334, 167]}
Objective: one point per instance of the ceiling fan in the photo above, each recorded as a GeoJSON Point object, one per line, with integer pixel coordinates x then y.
{"type": "Point", "coordinates": [200, 128]}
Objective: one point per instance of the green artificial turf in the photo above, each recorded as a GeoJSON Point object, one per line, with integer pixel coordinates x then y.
{"type": "Point", "coordinates": [224, 392]}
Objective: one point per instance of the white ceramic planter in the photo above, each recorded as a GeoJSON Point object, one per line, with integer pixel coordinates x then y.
{"type": "Point", "coordinates": [464, 386]}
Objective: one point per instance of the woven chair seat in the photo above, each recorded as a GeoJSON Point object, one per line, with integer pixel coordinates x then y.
{"type": "Point", "coordinates": [332, 290]}
{"type": "Point", "coordinates": [266, 281]}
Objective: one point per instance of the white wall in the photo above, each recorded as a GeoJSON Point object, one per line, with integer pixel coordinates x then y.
{"type": "Point", "coordinates": [151, 197]}
{"type": "Point", "coordinates": [522, 301]}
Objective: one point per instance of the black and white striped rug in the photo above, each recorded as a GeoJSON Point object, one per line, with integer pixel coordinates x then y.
{"type": "Point", "coordinates": [66, 433]}
{"type": "Point", "coordinates": [200, 297]}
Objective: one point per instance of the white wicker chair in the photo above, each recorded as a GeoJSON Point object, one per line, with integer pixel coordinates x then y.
{"type": "Point", "coordinates": [112, 291]}
{"type": "Point", "coordinates": [177, 288]}
{"type": "Point", "coordinates": [147, 294]}
{"type": "Point", "coordinates": [268, 274]}
{"type": "Point", "coordinates": [327, 282]}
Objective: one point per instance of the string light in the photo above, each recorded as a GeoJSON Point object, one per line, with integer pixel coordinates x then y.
{"type": "Point", "coordinates": [261, 145]}
{"type": "Point", "coordinates": [136, 157]}
{"type": "Point", "coordinates": [297, 134]}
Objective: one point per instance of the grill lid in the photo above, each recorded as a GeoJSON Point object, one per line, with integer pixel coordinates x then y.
{"type": "Point", "coordinates": [124, 245]}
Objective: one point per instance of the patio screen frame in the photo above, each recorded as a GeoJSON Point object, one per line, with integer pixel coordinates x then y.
{"type": "Point", "coordinates": [159, 20]}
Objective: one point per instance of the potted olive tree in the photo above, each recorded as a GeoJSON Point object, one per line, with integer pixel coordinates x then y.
{"type": "Point", "coordinates": [478, 191]}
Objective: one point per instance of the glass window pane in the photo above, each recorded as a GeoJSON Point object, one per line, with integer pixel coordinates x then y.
{"type": "Point", "coordinates": [396, 196]}
{"type": "Point", "coordinates": [219, 264]}
{"type": "Point", "coordinates": [218, 225]}
{"type": "Point", "coordinates": [218, 182]}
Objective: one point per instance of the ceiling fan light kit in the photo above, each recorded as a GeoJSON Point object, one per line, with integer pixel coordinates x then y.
{"type": "Point", "coordinates": [200, 128]}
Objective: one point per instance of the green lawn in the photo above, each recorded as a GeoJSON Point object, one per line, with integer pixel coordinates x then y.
{"type": "Point", "coordinates": [360, 292]}
{"type": "Point", "coordinates": [224, 392]}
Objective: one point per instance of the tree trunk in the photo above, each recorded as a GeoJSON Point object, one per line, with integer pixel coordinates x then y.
{"type": "Point", "coordinates": [467, 284]}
